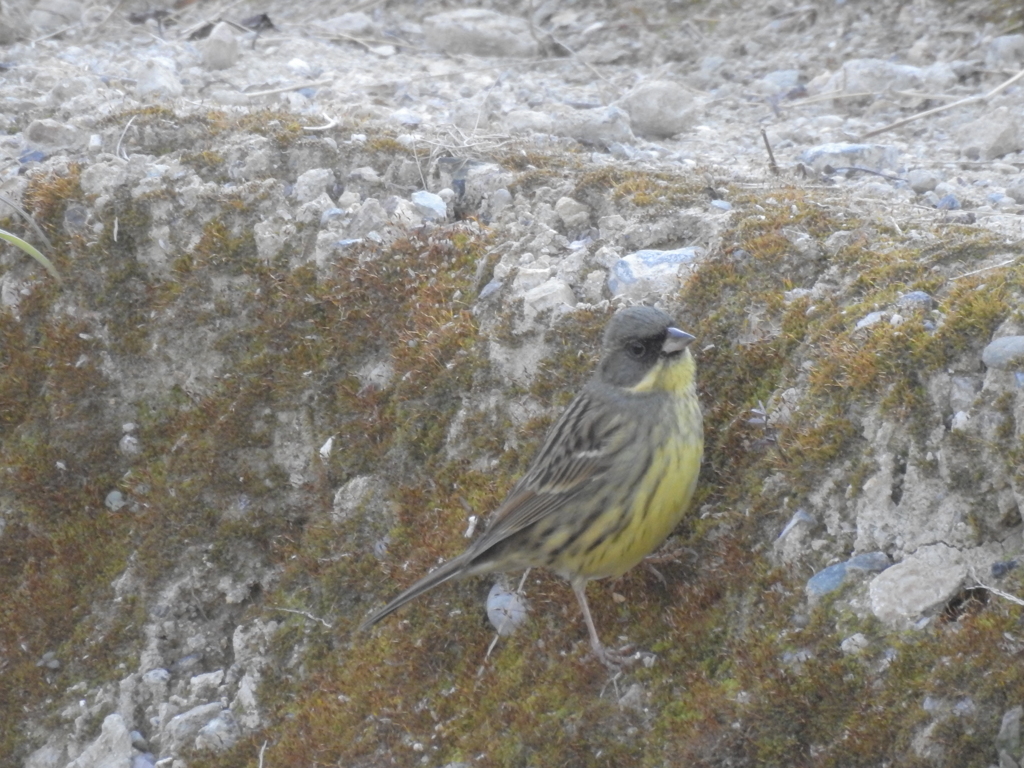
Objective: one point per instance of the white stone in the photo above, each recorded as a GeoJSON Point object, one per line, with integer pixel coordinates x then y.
{"type": "Point", "coordinates": [313, 183]}
{"type": "Point", "coordinates": [203, 688]}
{"type": "Point", "coordinates": [113, 748]}
{"type": "Point", "coordinates": [156, 79]}
{"type": "Point", "coordinates": [549, 295]}
{"type": "Point", "coordinates": [574, 214]}
{"type": "Point", "coordinates": [219, 734]}
{"type": "Point", "coordinates": [220, 48]}
{"type": "Point", "coordinates": [660, 108]}
{"type": "Point", "coordinates": [651, 271]}
{"type": "Point", "coordinates": [183, 729]}
{"type": "Point", "coordinates": [918, 586]}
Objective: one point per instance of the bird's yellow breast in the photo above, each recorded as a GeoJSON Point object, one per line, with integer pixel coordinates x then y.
{"type": "Point", "coordinates": [637, 523]}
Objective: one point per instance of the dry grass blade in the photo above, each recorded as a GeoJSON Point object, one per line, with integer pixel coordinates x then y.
{"type": "Point", "coordinates": [28, 248]}
{"type": "Point", "coordinates": [937, 110]}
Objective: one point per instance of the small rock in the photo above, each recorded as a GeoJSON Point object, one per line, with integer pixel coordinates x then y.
{"type": "Point", "coordinates": [781, 81]}
{"type": "Point", "coordinates": [115, 500]}
{"type": "Point", "coordinates": [915, 300]}
{"type": "Point", "coordinates": [528, 278]}
{"type": "Point", "coordinates": [203, 688]}
{"type": "Point", "coordinates": [348, 198]}
{"type": "Point", "coordinates": [301, 67]}
{"type": "Point", "coordinates": [156, 677]}
{"type": "Point", "coordinates": [871, 319]}
{"type": "Point", "coordinates": [549, 295]}
{"type": "Point", "coordinates": [960, 421]}
{"type": "Point", "coordinates": [479, 32]}
{"type": "Point", "coordinates": [407, 117]}
{"type": "Point", "coordinates": [430, 206]}
{"type": "Point", "coordinates": [574, 214]}
{"type": "Point", "coordinates": [1008, 740]}
{"type": "Point", "coordinates": [659, 108]}
{"type": "Point", "coordinates": [156, 79]}
{"type": "Point", "coordinates": [220, 48]}
{"type": "Point", "coordinates": [401, 212]}
{"type": "Point", "coordinates": [610, 225]}
{"type": "Point", "coordinates": [922, 180]}
{"type": "Point", "coordinates": [506, 610]}
{"type": "Point", "coordinates": [598, 127]}
{"type": "Point", "coordinates": [993, 135]}
{"type": "Point", "coordinates": [870, 562]}
{"type": "Point", "coordinates": [313, 183]}
{"type": "Point", "coordinates": [948, 202]}
{"type": "Point", "coordinates": [219, 734]}
{"type": "Point", "coordinates": [918, 586]}
{"type": "Point", "coordinates": [826, 580]}
{"type": "Point", "coordinates": [1001, 569]}
{"type": "Point", "coordinates": [182, 729]}
{"type": "Point", "coordinates": [498, 201]}
{"type": "Point", "coordinates": [49, 660]}
{"type": "Point", "coordinates": [1016, 190]}
{"type": "Point", "coordinates": [102, 178]}
{"type": "Point", "coordinates": [113, 747]}
{"type": "Point", "coordinates": [51, 134]}
{"type": "Point", "coordinates": [369, 217]}
{"type": "Point", "coordinates": [854, 643]}
{"type": "Point", "coordinates": [1005, 353]}
{"type": "Point", "coordinates": [651, 271]}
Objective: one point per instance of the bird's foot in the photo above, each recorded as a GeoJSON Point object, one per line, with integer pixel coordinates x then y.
{"type": "Point", "coordinates": [615, 658]}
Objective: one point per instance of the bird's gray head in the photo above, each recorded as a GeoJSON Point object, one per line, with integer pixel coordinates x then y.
{"type": "Point", "coordinates": [636, 339]}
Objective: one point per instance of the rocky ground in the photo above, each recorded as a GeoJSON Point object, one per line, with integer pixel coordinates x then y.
{"type": "Point", "coordinates": [328, 271]}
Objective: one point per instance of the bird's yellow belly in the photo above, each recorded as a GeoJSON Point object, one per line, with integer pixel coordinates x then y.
{"type": "Point", "coordinates": [613, 546]}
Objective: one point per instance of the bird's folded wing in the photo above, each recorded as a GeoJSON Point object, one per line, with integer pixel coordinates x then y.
{"type": "Point", "coordinates": [579, 449]}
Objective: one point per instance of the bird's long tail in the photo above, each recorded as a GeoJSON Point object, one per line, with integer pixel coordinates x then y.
{"type": "Point", "coordinates": [455, 567]}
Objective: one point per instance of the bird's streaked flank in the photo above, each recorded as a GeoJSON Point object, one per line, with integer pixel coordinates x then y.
{"type": "Point", "coordinates": [613, 478]}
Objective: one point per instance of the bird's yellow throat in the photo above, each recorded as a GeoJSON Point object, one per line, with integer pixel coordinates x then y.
{"type": "Point", "coordinates": [670, 374]}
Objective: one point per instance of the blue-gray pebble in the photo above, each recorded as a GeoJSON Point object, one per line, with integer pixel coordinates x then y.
{"type": "Point", "coordinates": [1005, 353]}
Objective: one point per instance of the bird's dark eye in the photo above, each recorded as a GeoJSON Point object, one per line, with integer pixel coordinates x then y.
{"type": "Point", "coordinates": [636, 349]}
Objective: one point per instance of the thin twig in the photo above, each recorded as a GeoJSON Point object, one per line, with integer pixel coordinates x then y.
{"type": "Point", "coordinates": [29, 220]}
{"type": "Point", "coordinates": [937, 110]}
{"type": "Point", "coordinates": [262, 750]}
{"type": "Point", "coordinates": [117, 150]}
{"type": "Point", "coordinates": [296, 87]}
{"type": "Point", "coordinates": [771, 157]}
{"type": "Point", "coordinates": [1006, 263]}
{"type": "Point", "coordinates": [331, 122]}
{"type": "Point", "coordinates": [307, 615]}
{"type": "Point", "coordinates": [59, 32]}
{"type": "Point", "coordinates": [998, 592]}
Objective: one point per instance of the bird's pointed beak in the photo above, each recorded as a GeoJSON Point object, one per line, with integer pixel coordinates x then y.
{"type": "Point", "coordinates": [676, 341]}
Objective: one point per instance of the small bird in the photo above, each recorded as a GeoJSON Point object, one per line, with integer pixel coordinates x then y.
{"type": "Point", "coordinates": [615, 475]}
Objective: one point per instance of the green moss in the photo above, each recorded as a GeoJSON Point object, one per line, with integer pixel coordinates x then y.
{"type": "Point", "coordinates": [737, 678]}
